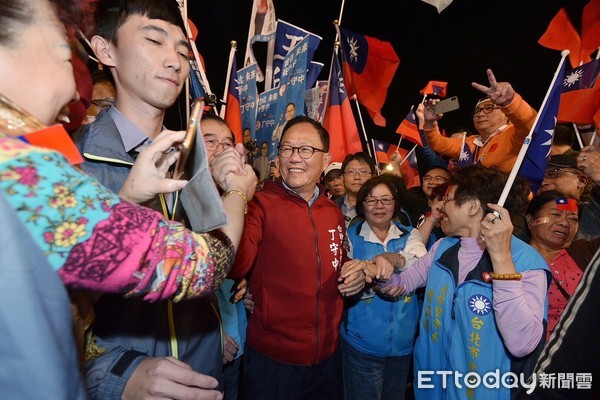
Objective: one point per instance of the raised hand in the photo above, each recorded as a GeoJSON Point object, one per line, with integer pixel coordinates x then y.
{"type": "Point", "coordinates": [500, 93]}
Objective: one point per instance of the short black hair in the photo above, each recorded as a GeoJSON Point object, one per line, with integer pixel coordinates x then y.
{"type": "Point", "coordinates": [110, 15]}
{"type": "Point", "coordinates": [486, 185]}
{"type": "Point", "coordinates": [563, 135]}
{"type": "Point", "coordinates": [367, 187]}
{"type": "Point", "coordinates": [209, 116]}
{"type": "Point", "coordinates": [362, 158]}
{"type": "Point", "coordinates": [323, 134]}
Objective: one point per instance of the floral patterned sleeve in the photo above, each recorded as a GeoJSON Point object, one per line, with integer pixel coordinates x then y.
{"type": "Point", "coordinates": [97, 241]}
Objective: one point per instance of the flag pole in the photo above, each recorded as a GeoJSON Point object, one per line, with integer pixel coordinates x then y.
{"type": "Point", "coordinates": [376, 161]}
{"type": "Point", "coordinates": [399, 142]}
{"type": "Point", "coordinates": [578, 135]}
{"type": "Point", "coordinates": [362, 124]}
{"type": "Point", "coordinates": [229, 66]}
{"type": "Point", "coordinates": [409, 154]}
{"type": "Point", "coordinates": [527, 141]}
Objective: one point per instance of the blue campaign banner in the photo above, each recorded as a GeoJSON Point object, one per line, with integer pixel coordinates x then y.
{"type": "Point", "coordinates": [265, 119]}
{"type": "Point", "coordinates": [291, 90]}
{"type": "Point", "coordinates": [286, 38]}
{"type": "Point", "coordinates": [248, 97]}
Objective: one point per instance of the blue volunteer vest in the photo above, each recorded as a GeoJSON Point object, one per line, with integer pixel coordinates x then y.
{"type": "Point", "coordinates": [377, 325]}
{"type": "Point", "coordinates": [458, 330]}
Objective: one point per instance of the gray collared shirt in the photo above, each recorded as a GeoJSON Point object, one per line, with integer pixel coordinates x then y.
{"type": "Point", "coordinates": [133, 137]}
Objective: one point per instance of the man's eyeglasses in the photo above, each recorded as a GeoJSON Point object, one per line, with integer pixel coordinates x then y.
{"type": "Point", "coordinates": [386, 201]}
{"type": "Point", "coordinates": [435, 179]}
{"type": "Point", "coordinates": [486, 109]}
{"type": "Point", "coordinates": [554, 172]}
{"type": "Point", "coordinates": [304, 152]}
{"type": "Point", "coordinates": [213, 144]}
{"type": "Point", "coordinates": [103, 104]}
{"type": "Point", "coordinates": [359, 172]}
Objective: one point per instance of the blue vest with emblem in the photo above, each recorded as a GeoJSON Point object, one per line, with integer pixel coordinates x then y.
{"type": "Point", "coordinates": [377, 325]}
{"type": "Point", "coordinates": [458, 331]}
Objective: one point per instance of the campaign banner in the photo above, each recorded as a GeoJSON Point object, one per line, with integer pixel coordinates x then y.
{"type": "Point", "coordinates": [248, 96]}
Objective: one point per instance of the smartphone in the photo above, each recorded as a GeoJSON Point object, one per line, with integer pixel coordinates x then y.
{"type": "Point", "coordinates": [190, 137]}
{"type": "Point", "coordinates": [446, 105]}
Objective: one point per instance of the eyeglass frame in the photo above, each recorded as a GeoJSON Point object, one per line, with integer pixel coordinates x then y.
{"type": "Point", "coordinates": [98, 103]}
{"type": "Point", "coordinates": [293, 148]}
{"type": "Point", "coordinates": [485, 109]}
{"type": "Point", "coordinates": [555, 171]}
{"type": "Point", "coordinates": [218, 143]}
{"type": "Point", "coordinates": [437, 178]}
{"type": "Point", "coordinates": [359, 172]}
{"type": "Point", "coordinates": [374, 200]}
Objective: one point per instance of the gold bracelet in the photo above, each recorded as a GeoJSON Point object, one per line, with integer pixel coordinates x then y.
{"type": "Point", "coordinates": [242, 195]}
{"type": "Point", "coordinates": [505, 277]}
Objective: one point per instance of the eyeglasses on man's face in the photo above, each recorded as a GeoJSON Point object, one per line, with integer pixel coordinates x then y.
{"type": "Point", "coordinates": [486, 109]}
{"type": "Point", "coordinates": [359, 172]}
{"type": "Point", "coordinates": [103, 104]}
{"type": "Point", "coordinates": [555, 172]}
{"type": "Point", "coordinates": [435, 179]}
{"type": "Point", "coordinates": [386, 201]}
{"type": "Point", "coordinates": [213, 144]}
{"type": "Point", "coordinates": [304, 152]}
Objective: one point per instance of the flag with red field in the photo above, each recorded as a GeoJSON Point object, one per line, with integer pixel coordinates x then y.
{"type": "Point", "coordinates": [339, 120]}
{"type": "Point", "coordinates": [408, 129]}
{"type": "Point", "coordinates": [580, 91]}
{"type": "Point", "coordinates": [382, 151]}
{"type": "Point", "coordinates": [437, 88]}
{"type": "Point", "coordinates": [561, 35]}
{"type": "Point", "coordinates": [233, 112]}
{"type": "Point", "coordinates": [369, 67]}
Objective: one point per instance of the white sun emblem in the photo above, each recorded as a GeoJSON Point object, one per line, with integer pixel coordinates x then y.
{"type": "Point", "coordinates": [480, 305]}
{"type": "Point", "coordinates": [573, 78]}
{"type": "Point", "coordinates": [353, 43]}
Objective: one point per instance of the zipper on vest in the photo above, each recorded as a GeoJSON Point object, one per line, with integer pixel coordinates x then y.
{"type": "Point", "coordinates": [316, 353]}
{"type": "Point", "coordinates": [106, 159]}
{"type": "Point", "coordinates": [453, 303]}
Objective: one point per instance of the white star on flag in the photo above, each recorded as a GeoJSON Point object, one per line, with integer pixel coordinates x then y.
{"type": "Point", "coordinates": [353, 49]}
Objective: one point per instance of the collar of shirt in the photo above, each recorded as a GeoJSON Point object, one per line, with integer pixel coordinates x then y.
{"type": "Point", "coordinates": [367, 233]}
{"type": "Point", "coordinates": [311, 201]}
{"type": "Point", "coordinates": [479, 143]}
{"type": "Point", "coordinates": [132, 136]}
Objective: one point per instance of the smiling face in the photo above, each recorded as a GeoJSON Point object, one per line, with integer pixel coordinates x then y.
{"type": "Point", "coordinates": [553, 228]}
{"type": "Point", "coordinates": [36, 72]}
{"type": "Point", "coordinates": [379, 214]}
{"type": "Point", "coordinates": [434, 178]}
{"type": "Point", "coordinates": [460, 221]}
{"type": "Point", "coordinates": [301, 174]}
{"type": "Point", "coordinates": [149, 61]}
{"type": "Point", "coordinates": [486, 124]}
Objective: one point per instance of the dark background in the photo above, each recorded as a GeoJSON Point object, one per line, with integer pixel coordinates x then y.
{"type": "Point", "coordinates": [455, 46]}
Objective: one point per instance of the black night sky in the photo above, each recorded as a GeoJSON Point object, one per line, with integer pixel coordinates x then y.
{"type": "Point", "coordinates": [455, 46]}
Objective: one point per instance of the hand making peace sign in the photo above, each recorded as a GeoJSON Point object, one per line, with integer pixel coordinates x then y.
{"type": "Point", "coordinates": [500, 93]}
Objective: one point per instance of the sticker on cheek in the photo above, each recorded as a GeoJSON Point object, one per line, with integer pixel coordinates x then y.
{"type": "Point", "coordinates": [540, 221]}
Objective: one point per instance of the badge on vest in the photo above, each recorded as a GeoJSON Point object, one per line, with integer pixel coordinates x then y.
{"type": "Point", "coordinates": [479, 304]}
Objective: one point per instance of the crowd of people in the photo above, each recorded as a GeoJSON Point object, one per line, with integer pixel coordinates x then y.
{"type": "Point", "coordinates": [291, 278]}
